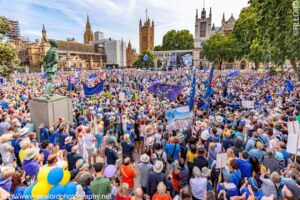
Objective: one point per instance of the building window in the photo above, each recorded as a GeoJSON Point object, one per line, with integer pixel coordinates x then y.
{"type": "Point", "coordinates": [203, 29]}
{"type": "Point", "coordinates": [201, 55]}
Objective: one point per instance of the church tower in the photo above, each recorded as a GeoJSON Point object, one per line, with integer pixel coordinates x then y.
{"type": "Point", "coordinates": [88, 34]}
{"type": "Point", "coordinates": [146, 35]}
{"type": "Point", "coordinates": [44, 35]}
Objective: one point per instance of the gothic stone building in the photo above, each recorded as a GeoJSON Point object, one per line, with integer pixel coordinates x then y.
{"type": "Point", "coordinates": [204, 28]}
{"type": "Point", "coordinates": [146, 34]}
{"type": "Point", "coordinates": [71, 54]}
{"type": "Point", "coordinates": [131, 55]}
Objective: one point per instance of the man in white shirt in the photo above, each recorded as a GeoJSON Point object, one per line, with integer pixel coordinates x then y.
{"type": "Point", "coordinates": [198, 184]}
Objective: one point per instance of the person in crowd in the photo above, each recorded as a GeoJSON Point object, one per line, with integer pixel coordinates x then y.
{"type": "Point", "coordinates": [127, 146]}
{"type": "Point", "coordinates": [111, 153]}
{"type": "Point", "coordinates": [31, 165]}
{"type": "Point", "coordinates": [127, 173]}
{"type": "Point", "coordinates": [244, 165]}
{"type": "Point", "coordinates": [156, 176]}
{"type": "Point", "coordinates": [172, 150]}
{"type": "Point", "coordinates": [145, 167]}
{"type": "Point", "coordinates": [200, 161]}
{"type": "Point", "coordinates": [100, 186]}
{"type": "Point", "coordinates": [161, 193]}
{"type": "Point", "coordinates": [198, 184]}
{"type": "Point", "coordinates": [18, 187]}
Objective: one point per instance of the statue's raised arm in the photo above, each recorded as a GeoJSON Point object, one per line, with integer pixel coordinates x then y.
{"type": "Point", "coordinates": [50, 65]}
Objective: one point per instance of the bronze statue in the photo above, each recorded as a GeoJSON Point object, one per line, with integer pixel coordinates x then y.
{"type": "Point", "coordinates": [50, 67]}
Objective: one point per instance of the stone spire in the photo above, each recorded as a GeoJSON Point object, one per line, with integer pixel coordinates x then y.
{"type": "Point", "coordinates": [44, 35]}
{"type": "Point", "coordinates": [203, 13]}
{"type": "Point", "coordinates": [140, 22]}
{"type": "Point", "coordinates": [196, 13]}
{"type": "Point", "coordinates": [88, 34]}
{"type": "Point", "coordinates": [210, 13]}
{"type": "Point", "coordinates": [223, 19]}
{"type": "Point", "coordinates": [213, 27]}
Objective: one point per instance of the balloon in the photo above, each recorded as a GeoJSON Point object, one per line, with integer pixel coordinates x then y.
{"type": "Point", "coordinates": [110, 171]}
{"type": "Point", "coordinates": [70, 189]}
{"type": "Point", "coordinates": [66, 178]}
{"type": "Point", "coordinates": [27, 192]}
{"type": "Point", "coordinates": [57, 192]}
{"type": "Point", "coordinates": [55, 175]}
{"type": "Point", "coordinates": [43, 173]}
{"type": "Point", "coordinates": [40, 189]}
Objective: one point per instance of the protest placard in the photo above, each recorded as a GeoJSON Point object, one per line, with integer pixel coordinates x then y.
{"type": "Point", "coordinates": [221, 160]}
{"type": "Point", "coordinates": [293, 144]}
{"type": "Point", "coordinates": [179, 118]}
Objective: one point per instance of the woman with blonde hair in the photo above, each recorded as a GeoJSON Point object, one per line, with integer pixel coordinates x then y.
{"type": "Point", "coordinates": [123, 192]}
{"type": "Point", "coordinates": [161, 193]}
{"type": "Point", "coordinates": [230, 155]}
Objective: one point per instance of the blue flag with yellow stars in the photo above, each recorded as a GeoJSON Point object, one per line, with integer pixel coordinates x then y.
{"type": "Point", "coordinates": [193, 91]}
{"type": "Point", "coordinates": [164, 90]}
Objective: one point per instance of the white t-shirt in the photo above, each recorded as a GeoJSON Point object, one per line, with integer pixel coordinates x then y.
{"type": "Point", "coordinates": [89, 140]}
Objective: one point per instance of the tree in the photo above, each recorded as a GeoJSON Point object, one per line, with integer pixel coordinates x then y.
{"type": "Point", "coordinates": [158, 48]}
{"type": "Point", "coordinates": [220, 48]}
{"type": "Point", "coordinates": [245, 33]}
{"type": "Point", "coordinates": [8, 57]}
{"type": "Point", "coordinates": [276, 31]}
{"type": "Point", "coordinates": [145, 60]}
{"type": "Point", "coordinates": [177, 40]}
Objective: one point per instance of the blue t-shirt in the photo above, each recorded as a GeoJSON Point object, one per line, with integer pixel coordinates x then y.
{"type": "Point", "coordinates": [259, 154]}
{"type": "Point", "coordinates": [170, 150]}
{"type": "Point", "coordinates": [245, 167]}
{"type": "Point", "coordinates": [235, 177]}
{"type": "Point", "coordinates": [230, 189]}
{"type": "Point", "coordinates": [61, 140]}
{"type": "Point", "coordinates": [52, 138]}
{"type": "Point", "coordinates": [259, 194]}
{"type": "Point", "coordinates": [18, 193]}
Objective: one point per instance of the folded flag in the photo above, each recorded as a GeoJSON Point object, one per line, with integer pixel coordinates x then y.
{"type": "Point", "coordinates": [164, 90]}
{"type": "Point", "coordinates": [146, 57]}
{"type": "Point", "coordinates": [91, 76]}
{"type": "Point", "coordinates": [193, 91]}
{"type": "Point", "coordinates": [71, 84]}
{"type": "Point", "coordinates": [258, 83]}
{"type": "Point", "coordinates": [289, 86]}
{"type": "Point", "coordinates": [93, 90]}
{"type": "Point", "coordinates": [209, 81]}
{"type": "Point", "coordinates": [233, 74]}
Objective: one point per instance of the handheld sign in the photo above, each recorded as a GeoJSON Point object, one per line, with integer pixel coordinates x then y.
{"type": "Point", "coordinates": [293, 144]}
{"type": "Point", "coordinates": [221, 160]}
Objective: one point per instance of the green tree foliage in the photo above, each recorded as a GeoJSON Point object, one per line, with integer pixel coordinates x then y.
{"type": "Point", "coordinates": [177, 40]}
{"type": "Point", "coordinates": [142, 63]}
{"type": "Point", "coordinates": [158, 48]}
{"type": "Point", "coordinates": [8, 57]}
{"type": "Point", "coordinates": [275, 30]}
{"type": "Point", "coordinates": [245, 33]}
{"type": "Point", "coordinates": [220, 48]}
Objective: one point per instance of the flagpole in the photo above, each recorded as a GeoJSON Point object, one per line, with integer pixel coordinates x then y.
{"type": "Point", "coordinates": [296, 154]}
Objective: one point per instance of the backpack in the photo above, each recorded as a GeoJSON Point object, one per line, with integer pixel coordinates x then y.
{"type": "Point", "coordinates": [160, 157]}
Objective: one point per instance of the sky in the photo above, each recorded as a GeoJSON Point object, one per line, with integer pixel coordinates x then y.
{"type": "Point", "coordinates": [118, 19]}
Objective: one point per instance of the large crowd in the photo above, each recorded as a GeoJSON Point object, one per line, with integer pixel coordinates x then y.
{"type": "Point", "coordinates": [121, 148]}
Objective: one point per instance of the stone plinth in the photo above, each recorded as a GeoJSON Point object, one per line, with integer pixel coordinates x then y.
{"type": "Point", "coordinates": [48, 111]}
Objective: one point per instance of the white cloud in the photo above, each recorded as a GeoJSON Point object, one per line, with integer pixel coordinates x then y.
{"type": "Point", "coordinates": [116, 18]}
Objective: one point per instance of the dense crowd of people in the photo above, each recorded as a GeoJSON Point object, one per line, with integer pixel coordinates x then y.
{"type": "Point", "coordinates": [131, 133]}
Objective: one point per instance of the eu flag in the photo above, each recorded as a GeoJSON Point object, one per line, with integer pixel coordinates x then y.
{"type": "Point", "coordinates": [193, 91]}
{"type": "Point", "coordinates": [164, 90]}
{"type": "Point", "coordinates": [289, 86]}
{"type": "Point", "coordinates": [209, 80]}
{"type": "Point", "coordinates": [233, 74]}
{"type": "Point", "coordinates": [259, 83]}
{"type": "Point", "coordinates": [91, 76]}
{"type": "Point", "coordinates": [93, 90]}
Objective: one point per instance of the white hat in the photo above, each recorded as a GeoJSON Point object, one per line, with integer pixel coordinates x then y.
{"type": "Point", "coordinates": [205, 172]}
{"type": "Point", "coordinates": [5, 137]}
{"type": "Point", "coordinates": [68, 140]}
{"type": "Point", "coordinates": [198, 123]}
{"type": "Point", "coordinates": [158, 166]}
{"type": "Point", "coordinates": [150, 141]}
{"type": "Point", "coordinates": [23, 131]}
{"type": "Point", "coordinates": [144, 158]}
{"type": "Point", "coordinates": [204, 125]}
{"type": "Point", "coordinates": [205, 134]}
{"type": "Point", "coordinates": [219, 118]}
{"type": "Point", "coordinates": [31, 153]}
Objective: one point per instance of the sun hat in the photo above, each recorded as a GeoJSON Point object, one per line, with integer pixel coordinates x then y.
{"type": "Point", "coordinates": [150, 141]}
{"type": "Point", "coordinates": [80, 164]}
{"type": "Point", "coordinates": [198, 123]}
{"type": "Point", "coordinates": [31, 153]}
{"type": "Point", "coordinates": [144, 158]}
{"type": "Point", "coordinates": [279, 156]}
{"type": "Point", "coordinates": [205, 135]}
{"type": "Point", "coordinates": [158, 166]}
{"type": "Point", "coordinates": [6, 137]}
{"type": "Point", "coordinates": [219, 118]}
{"type": "Point", "coordinates": [204, 125]}
{"type": "Point", "coordinates": [68, 140]}
{"type": "Point", "coordinates": [205, 172]}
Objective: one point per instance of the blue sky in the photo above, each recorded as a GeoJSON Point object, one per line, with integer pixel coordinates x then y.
{"type": "Point", "coordinates": [116, 18]}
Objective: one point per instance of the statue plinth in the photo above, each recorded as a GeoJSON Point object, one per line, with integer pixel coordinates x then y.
{"type": "Point", "coordinates": [48, 111]}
